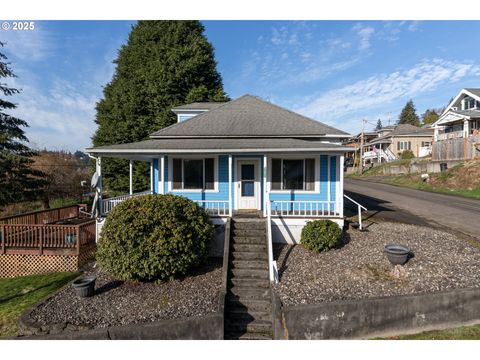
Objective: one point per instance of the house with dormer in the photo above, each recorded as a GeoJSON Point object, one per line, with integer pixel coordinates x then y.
{"type": "Point", "coordinates": [457, 131]}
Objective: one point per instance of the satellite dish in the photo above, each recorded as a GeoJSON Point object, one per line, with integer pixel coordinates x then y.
{"type": "Point", "coordinates": [95, 179]}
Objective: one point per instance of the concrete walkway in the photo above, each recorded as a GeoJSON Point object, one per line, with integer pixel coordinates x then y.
{"type": "Point", "coordinates": [395, 203]}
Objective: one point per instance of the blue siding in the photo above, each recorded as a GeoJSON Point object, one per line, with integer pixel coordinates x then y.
{"type": "Point", "coordinates": [155, 176]}
{"type": "Point", "coordinates": [165, 175]}
{"type": "Point", "coordinates": [222, 194]}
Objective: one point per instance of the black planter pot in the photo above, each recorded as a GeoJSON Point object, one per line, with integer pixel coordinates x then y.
{"type": "Point", "coordinates": [397, 254]}
{"type": "Point", "coordinates": [85, 287]}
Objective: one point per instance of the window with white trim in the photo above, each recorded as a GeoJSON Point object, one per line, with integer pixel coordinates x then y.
{"type": "Point", "coordinates": [193, 174]}
{"type": "Point", "coordinates": [293, 174]}
{"type": "Point", "coordinates": [403, 145]}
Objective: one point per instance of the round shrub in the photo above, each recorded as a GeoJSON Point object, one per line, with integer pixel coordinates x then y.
{"type": "Point", "coordinates": [320, 235]}
{"type": "Point", "coordinates": [407, 154]}
{"type": "Point", "coordinates": [154, 237]}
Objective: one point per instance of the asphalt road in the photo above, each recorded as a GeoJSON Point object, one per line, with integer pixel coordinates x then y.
{"type": "Point", "coordinates": [395, 203]}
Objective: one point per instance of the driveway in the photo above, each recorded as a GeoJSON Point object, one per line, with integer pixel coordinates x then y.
{"type": "Point", "coordinates": [411, 206]}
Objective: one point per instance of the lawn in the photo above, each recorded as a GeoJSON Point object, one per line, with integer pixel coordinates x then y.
{"type": "Point", "coordinates": [460, 333]}
{"type": "Point", "coordinates": [18, 294]}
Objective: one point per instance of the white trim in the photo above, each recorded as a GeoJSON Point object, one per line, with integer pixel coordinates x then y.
{"type": "Point", "coordinates": [170, 175]}
{"type": "Point", "coordinates": [296, 157]}
{"type": "Point", "coordinates": [230, 170]}
{"type": "Point", "coordinates": [462, 92]}
{"type": "Point", "coordinates": [130, 176]}
{"type": "Point", "coordinates": [340, 191]}
{"type": "Point", "coordinates": [257, 183]}
{"type": "Point", "coordinates": [329, 196]}
{"type": "Point", "coordinates": [161, 175]}
{"type": "Point", "coordinates": [216, 151]}
{"type": "Point", "coordinates": [265, 192]}
{"type": "Point", "coordinates": [151, 175]}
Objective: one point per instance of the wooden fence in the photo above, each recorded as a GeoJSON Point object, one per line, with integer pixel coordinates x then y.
{"type": "Point", "coordinates": [45, 216]}
{"type": "Point", "coordinates": [456, 149]}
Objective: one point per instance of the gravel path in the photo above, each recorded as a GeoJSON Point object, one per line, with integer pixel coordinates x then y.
{"type": "Point", "coordinates": [121, 303]}
{"type": "Point", "coordinates": [359, 269]}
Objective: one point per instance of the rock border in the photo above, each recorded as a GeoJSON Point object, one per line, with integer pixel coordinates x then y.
{"type": "Point", "coordinates": [379, 317]}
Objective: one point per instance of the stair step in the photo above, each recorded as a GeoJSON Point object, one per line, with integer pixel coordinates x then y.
{"type": "Point", "coordinates": [248, 282]}
{"type": "Point", "coordinates": [249, 304]}
{"type": "Point", "coordinates": [248, 240]}
{"type": "Point", "coordinates": [256, 326]}
{"type": "Point", "coordinates": [249, 264]}
{"type": "Point", "coordinates": [250, 248]}
{"type": "Point", "coordinates": [239, 255]}
{"type": "Point", "coordinates": [249, 232]}
{"type": "Point", "coordinates": [241, 315]}
{"type": "Point", "coordinates": [246, 293]}
{"type": "Point", "coordinates": [247, 336]}
{"type": "Point", "coordinates": [250, 273]}
{"type": "Point", "coordinates": [250, 225]}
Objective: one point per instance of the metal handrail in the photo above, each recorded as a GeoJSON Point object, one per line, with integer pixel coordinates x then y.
{"type": "Point", "coordinates": [359, 207]}
{"type": "Point", "coordinates": [272, 266]}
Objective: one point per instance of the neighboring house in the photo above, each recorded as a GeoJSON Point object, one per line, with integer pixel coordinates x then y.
{"type": "Point", "coordinates": [246, 155]}
{"type": "Point", "coordinates": [457, 131]}
{"type": "Point", "coordinates": [392, 141]}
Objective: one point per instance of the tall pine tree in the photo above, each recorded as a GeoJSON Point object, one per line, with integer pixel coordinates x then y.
{"type": "Point", "coordinates": [409, 115]}
{"type": "Point", "coordinates": [164, 64]}
{"type": "Point", "coordinates": [18, 181]}
{"type": "Point", "coordinates": [379, 125]}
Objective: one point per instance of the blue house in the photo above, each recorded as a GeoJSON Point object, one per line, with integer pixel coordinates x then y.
{"type": "Point", "coordinates": [243, 156]}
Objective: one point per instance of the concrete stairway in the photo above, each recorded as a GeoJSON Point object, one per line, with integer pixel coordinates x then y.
{"type": "Point", "coordinates": [248, 303]}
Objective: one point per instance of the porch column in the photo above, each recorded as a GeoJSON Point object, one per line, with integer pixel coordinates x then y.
{"type": "Point", "coordinates": [161, 174]}
{"type": "Point", "coordinates": [230, 208]}
{"type": "Point", "coordinates": [151, 176]}
{"type": "Point", "coordinates": [435, 134]}
{"type": "Point", "coordinates": [340, 197]}
{"type": "Point", "coordinates": [466, 129]}
{"type": "Point", "coordinates": [265, 190]}
{"type": "Point", "coordinates": [131, 176]}
{"type": "Point", "coordinates": [98, 170]}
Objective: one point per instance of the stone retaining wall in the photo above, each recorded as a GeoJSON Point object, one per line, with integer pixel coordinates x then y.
{"type": "Point", "coordinates": [380, 317]}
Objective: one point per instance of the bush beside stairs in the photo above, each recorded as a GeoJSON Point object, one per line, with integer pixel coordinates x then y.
{"type": "Point", "coordinates": [248, 303]}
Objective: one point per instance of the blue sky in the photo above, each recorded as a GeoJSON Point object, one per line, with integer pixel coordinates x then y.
{"type": "Point", "coordinates": [337, 72]}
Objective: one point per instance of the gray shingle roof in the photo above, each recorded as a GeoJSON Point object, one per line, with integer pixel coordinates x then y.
{"type": "Point", "coordinates": [407, 129]}
{"type": "Point", "coordinates": [474, 91]}
{"type": "Point", "coordinates": [198, 106]}
{"type": "Point", "coordinates": [217, 145]}
{"type": "Point", "coordinates": [469, 113]}
{"type": "Point", "coordinates": [248, 116]}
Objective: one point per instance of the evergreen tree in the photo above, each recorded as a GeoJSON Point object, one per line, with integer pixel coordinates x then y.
{"type": "Point", "coordinates": [409, 115]}
{"type": "Point", "coordinates": [18, 181]}
{"type": "Point", "coordinates": [164, 64]}
{"type": "Point", "coordinates": [379, 125]}
{"type": "Point", "coordinates": [430, 116]}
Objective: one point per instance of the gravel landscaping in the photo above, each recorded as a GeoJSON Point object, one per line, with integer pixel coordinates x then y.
{"type": "Point", "coordinates": [359, 269]}
{"type": "Point", "coordinates": [120, 303]}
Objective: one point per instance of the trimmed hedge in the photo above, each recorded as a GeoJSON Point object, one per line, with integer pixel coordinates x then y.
{"type": "Point", "coordinates": [154, 237]}
{"type": "Point", "coordinates": [321, 235]}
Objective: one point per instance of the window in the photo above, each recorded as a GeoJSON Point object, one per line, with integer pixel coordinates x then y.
{"type": "Point", "coordinates": [403, 145]}
{"type": "Point", "coordinates": [290, 174]}
{"type": "Point", "coordinates": [193, 174]}
{"type": "Point", "coordinates": [426, 143]}
{"type": "Point", "coordinates": [184, 117]}
{"type": "Point", "coordinates": [470, 103]}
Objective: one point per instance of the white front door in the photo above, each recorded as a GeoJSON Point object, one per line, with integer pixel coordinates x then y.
{"type": "Point", "coordinates": [248, 188]}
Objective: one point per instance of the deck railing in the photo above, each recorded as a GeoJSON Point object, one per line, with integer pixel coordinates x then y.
{"type": "Point", "coordinates": [451, 135]}
{"type": "Point", "coordinates": [214, 208]}
{"type": "Point", "coordinates": [298, 208]}
{"type": "Point", "coordinates": [44, 216]}
{"type": "Point", "coordinates": [41, 238]}
{"type": "Point", "coordinates": [106, 205]}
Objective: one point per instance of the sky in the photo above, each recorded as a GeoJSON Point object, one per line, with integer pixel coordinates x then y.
{"type": "Point", "coordinates": [336, 72]}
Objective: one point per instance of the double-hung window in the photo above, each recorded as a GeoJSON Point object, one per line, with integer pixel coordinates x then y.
{"type": "Point", "coordinates": [193, 174]}
{"type": "Point", "coordinates": [403, 145]}
{"type": "Point", "coordinates": [293, 174]}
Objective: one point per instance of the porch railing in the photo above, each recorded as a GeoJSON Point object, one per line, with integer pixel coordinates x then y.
{"type": "Point", "coordinates": [214, 208]}
{"type": "Point", "coordinates": [44, 216]}
{"type": "Point", "coordinates": [296, 208]}
{"type": "Point", "coordinates": [40, 238]}
{"type": "Point", "coordinates": [450, 135]}
{"type": "Point", "coordinates": [106, 205]}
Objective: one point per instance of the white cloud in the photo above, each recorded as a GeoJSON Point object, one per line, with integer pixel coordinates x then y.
{"type": "Point", "coordinates": [34, 45]}
{"type": "Point", "coordinates": [383, 89]}
{"type": "Point", "coordinates": [364, 33]}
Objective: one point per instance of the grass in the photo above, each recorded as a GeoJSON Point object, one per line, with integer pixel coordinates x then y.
{"type": "Point", "coordinates": [416, 183]}
{"type": "Point", "coordinates": [20, 293]}
{"type": "Point", "coordinates": [459, 333]}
